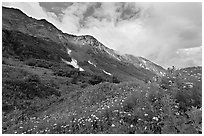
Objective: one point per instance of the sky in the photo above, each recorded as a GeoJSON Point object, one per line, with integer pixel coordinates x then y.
{"type": "Point", "coordinates": [165, 33]}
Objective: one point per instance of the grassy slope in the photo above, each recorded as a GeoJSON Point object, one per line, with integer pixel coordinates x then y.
{"type": "Point", "coordinates": [44, 95]}
{"type": "Point", "coordinates": [128, 107]}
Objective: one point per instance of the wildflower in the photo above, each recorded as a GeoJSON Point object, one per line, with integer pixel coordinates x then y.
{"type": "Point", "coordinates": [155, 118]}
{"type": "Point", "coordinates": [129, 114]}
{"type": "Point", "coordinates": [177, 113]}
{"type": "Point", "coordinates": [54, 124]}
{"type": "Point", "coordinates": [190, 86]}
{"type": "Point", "coordinates": [176, 106]}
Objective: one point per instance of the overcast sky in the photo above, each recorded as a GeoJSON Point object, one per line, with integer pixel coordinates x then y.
{"type": "Point", "coordinates": [165, 33]}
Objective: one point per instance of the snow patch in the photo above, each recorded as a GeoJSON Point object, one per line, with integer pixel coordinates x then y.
{"type": "Point", "coordinates": [107, 73]}
{"type": "Point", "coordinates": [69, 51]}
{"type": "Point", "coordinates": [74, 64]}
{"type": "Point", "coordinates": [91, 63]}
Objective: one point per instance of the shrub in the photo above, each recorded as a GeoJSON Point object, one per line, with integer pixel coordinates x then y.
{"type": "Point", "coordinates": [115, 80]}
{"type": "Point", "coordinates": [96, 80]}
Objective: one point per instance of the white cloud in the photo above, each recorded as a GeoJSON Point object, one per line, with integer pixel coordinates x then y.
{"type": "Point", "coordinates": [31, 9]}
{"type": "Point", "coordinates": [187, 57]}
{"type": "Point", "coordinates": [160, 30]}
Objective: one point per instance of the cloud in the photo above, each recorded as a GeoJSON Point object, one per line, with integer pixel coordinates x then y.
{"type": "Point", "coordinates": [175, 26]}
{"type": "Point", "coordinates": [31, 9]}
{"type": "Point", "coordinates": [157, 31]}
{"type": "Point", "coordinates": [188, 57]}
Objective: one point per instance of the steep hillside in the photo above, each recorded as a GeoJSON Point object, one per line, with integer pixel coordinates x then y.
{"type": "Point", "coordinates": [83, 49]}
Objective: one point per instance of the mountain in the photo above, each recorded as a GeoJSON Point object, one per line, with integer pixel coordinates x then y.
{"type": "Point", "coordinates": [54, 82]}
{"type": "Point", "coordinates": [82, 48]}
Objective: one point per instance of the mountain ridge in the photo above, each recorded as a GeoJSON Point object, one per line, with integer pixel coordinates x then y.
{"type": "Point", "coordinates": [58, 36]}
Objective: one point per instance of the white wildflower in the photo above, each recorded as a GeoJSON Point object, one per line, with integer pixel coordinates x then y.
{"type": "Point", "coordinates": [155, 118]}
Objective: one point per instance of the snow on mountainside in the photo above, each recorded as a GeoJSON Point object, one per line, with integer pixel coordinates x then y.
{"type": "Point", "coordinates": [91, 63]}
{"type": "Point", "coordinates": [69, 51]}
{"type": "Point", "coordinates": [74, 64]}
{"type": "Point", "coordinates": [81, 48]}
{"type": "Point", "coordinates": [73, 61]}
{"type": "Point", "coordinates": [107, 72]}
{"type": "Point", "coordinates": [137, 61]}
